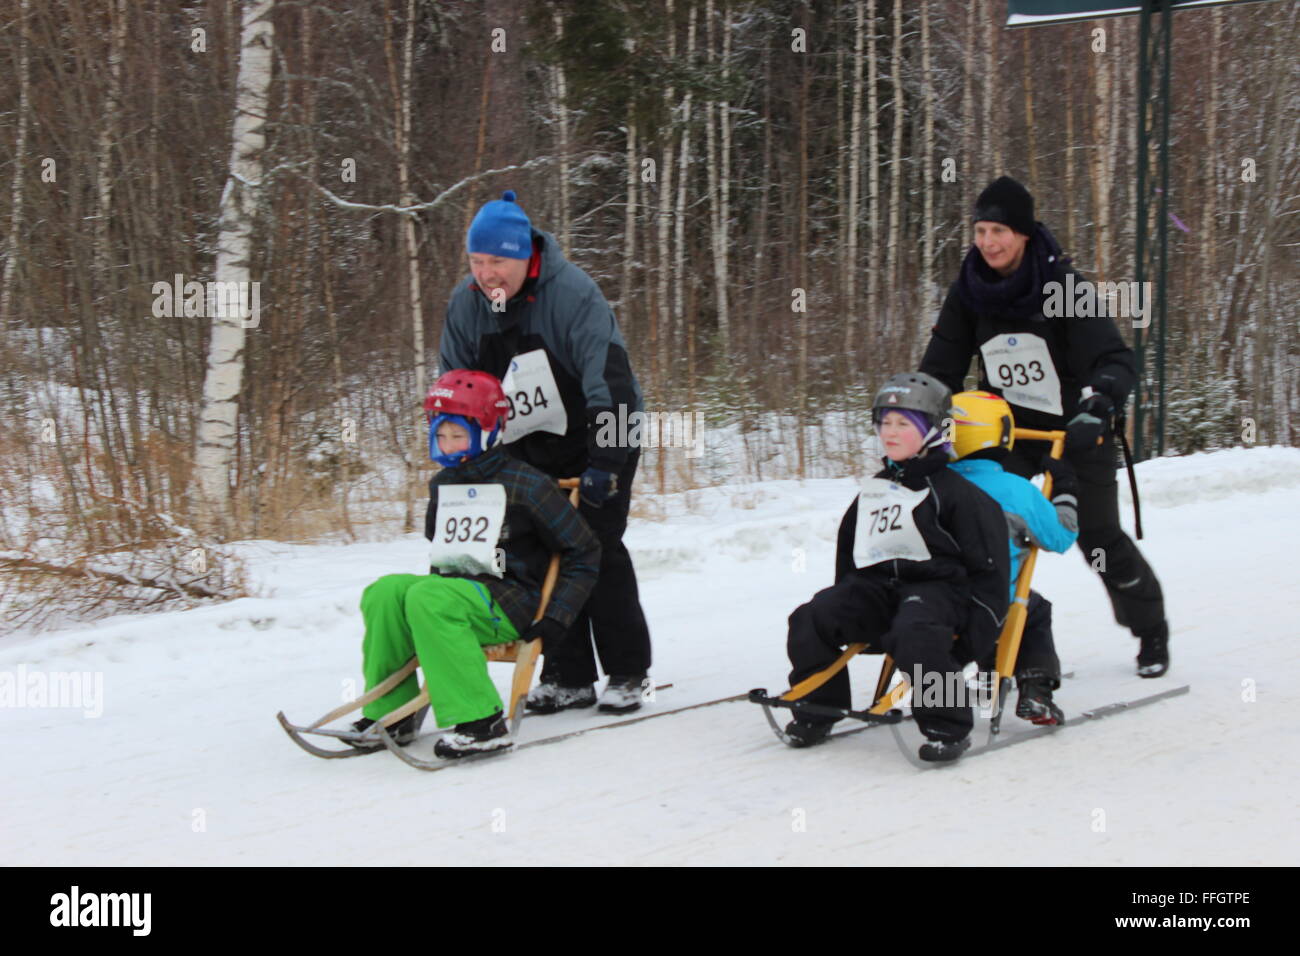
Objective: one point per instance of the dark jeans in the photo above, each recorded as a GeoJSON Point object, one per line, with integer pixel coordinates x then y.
{"type": "Point", "coordinates": [613, 615]}
{"type": "Point", "coordinates": [914, 622]}
{"type": "Point", "coordinates": [1134, 590]}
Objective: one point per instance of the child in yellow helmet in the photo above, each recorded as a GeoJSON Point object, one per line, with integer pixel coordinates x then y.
{"type": "Point", "coordinates": [983, 433]}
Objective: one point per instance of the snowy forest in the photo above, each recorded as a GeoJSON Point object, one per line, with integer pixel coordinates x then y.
{"type": "Point", "coordinates": [773, 195]}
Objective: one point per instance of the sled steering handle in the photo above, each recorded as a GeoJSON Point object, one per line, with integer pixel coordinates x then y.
{"type": "Point", "coordinates": [1057, 438]}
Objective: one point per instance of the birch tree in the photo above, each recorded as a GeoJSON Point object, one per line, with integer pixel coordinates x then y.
{"type": "Point", "coordinates": [855, 181]}
{"type": "Point", "coordinates": [896, 157]}
{"type": "Point", "coordinates": [718, 145]}
{"type": "Point", "coordinates": [217, 434]}
{"type": "Point", "coordinates": [927, 218]}
{"type": "Point", "coordinates": [873, 167]}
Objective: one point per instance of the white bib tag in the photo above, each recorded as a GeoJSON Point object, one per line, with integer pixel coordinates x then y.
{"type": "Point", "coordinates": [535, 404]}
{"type": "Point", "coordinates": [886, 527]}
{"type": "Point", "coordinates": [1020, 365]}
{"type": "Point", "coordinates": [467, 529]}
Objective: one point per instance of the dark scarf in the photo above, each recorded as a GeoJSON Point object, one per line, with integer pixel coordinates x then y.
{"type": "Point", "coordinates": [1019, 295]}
{"type": "Point", "coordinates": [913, 472]}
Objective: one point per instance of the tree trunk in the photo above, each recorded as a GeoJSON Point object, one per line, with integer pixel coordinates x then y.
{"type": "Point", "coordinates": [895, 164]}
{"type": "Point", "coordinates": [9, 320]}
{"type": "Point", "coordinates": [873, 174]}
{"type": "Point", "coordinates": [927, 219]}
{"type": "Point", "coordinates": [217, 427]}
{"type": "Point", "coordinates": [718, 178]}
{"type": "Point", "coordinates": [629, 219]}
{"type": "Point", "coordinates": [683, 177]}
{"type": "Point", "coordinates": [1030, 133]}
{"type": "Point", "coordinates": [562, 122]}
{"type": "Point", "coordinates": [855, 180]}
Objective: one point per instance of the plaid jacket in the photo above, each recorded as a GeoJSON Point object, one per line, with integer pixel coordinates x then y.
{"type": "Point", "coordinates": [539, 521]}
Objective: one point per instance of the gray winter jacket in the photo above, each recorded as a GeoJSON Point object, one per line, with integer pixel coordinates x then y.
{"type": "Point", "coordinates": [560, 310]}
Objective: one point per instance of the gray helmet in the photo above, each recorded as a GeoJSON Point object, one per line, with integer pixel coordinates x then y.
{"type": "Point", "coordinates": [917, 392]}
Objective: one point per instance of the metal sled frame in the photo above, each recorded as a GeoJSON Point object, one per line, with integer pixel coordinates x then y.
{"type": "Point", "coordinates": [523, 654]}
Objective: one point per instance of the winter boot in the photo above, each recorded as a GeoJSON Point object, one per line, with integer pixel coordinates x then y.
{"type": "Point", "coordinates": [1153, 656]}
{"type": "Point", "coordinates": [1036, 705]}
{"type": "Point", "coordinates": [807, 733]}
{"type": "Point", "coordinates": [486, 735]}
{"type": "Point", "coordinates": [622, 695]}
{"type": "Point", "coordinates": [944, 751]}
{"type": "Point", "coordinates": [549, 697]}
{"type": "Point", "coordinates": [402, 732]}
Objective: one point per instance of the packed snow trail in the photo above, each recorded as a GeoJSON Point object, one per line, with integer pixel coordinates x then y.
{"type": "Point", "coordinates": [187, 764]}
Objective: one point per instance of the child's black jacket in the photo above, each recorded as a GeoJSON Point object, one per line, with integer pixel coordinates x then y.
{"type": "Point", "coordinates": [539, 521]}
{"type": "Point", "coordinates": [966, 534]}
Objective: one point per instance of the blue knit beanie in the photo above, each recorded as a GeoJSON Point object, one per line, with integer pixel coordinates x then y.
{"type": "Point", "coordinates": [501, 228]}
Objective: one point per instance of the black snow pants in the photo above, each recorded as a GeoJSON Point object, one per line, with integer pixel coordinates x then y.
{"type": "Point", "coordinates": [913, 621]}
{"type": "Point", "coordinates": [1134, 590]}
{"type": "Point", "coordinates": [613, 615]}
{"type": "Point", "coordinates": [1037, 656]}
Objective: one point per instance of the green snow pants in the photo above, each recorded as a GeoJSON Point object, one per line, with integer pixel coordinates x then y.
{"type": "Point", "coordinates": [445, 622]}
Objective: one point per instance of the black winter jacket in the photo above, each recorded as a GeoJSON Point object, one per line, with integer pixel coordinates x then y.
{"type": "Point", "coordinates": [562, 311]}
{"type": "Point", "coordinates": [539, 521]}
{"type": "Point", "coordinates": [1085, 351]}
{"type": "Point", "coordinates": [966, 534]}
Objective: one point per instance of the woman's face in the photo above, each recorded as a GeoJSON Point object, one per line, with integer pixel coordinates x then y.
{"type": "Point", "coordinates": [899, 437]}
{"type": "Point", "coordinates": [1000, 245]}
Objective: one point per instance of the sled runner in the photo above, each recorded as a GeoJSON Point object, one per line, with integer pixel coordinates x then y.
{"type": "Point", "coordinates": [523, 654]}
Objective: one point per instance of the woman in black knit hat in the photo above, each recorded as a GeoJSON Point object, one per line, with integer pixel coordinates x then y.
{"type": "Point", "coordinates": [1059, 372]}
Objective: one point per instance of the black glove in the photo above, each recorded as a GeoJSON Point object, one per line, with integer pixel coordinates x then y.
{"type": "Point", "coordinates": [548, 629]}
{"type": "Point", "coordinates": [1092, 422]}
{"type": "Point", "coordinates": [1064, 479]}
{"type": "Point", "coordinates": [598, 486]}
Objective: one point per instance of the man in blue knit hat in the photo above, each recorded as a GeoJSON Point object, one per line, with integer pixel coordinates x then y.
{"type": "Point", "coordinates": [540, 324]}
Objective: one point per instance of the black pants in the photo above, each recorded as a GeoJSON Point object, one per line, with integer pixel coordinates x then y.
{"type": "Point", "coordinates": [914, 622]}
{"type": "Point", "coordinates": [613, 615]}
{"type": "Point", "coordinates": [1037, 656]}
{"type": "Point", "coordinates": [1134, 590]}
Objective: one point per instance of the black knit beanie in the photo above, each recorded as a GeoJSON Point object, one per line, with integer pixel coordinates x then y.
{"type": "Point", "coordinates": [1007, 202]}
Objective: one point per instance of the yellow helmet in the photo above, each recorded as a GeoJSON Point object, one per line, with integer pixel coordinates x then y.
{"type": "Point", "coordinates": [982, 420]}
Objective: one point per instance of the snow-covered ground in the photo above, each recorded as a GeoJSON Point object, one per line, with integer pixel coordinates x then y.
{"type": "Point", "coordinates": [187, 765]}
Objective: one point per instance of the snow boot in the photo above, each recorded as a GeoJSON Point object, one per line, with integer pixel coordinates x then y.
{"type": "Point", "coordinates": [1153, 656]}
{"type": "Point", "coordinates": [622, 695]}
{"type": "Point", "coordinates": [944, 751]}
{"type": "Point", "coordinates": [807, 733]}
{"type": "Point", "coordinates": [487, 735]}
{"type": "Point", "coordinates": [402, 732]}
{"type": "Point", "coordinates": [1036, 705]}
{"type": "Point", "coordinates": [549, 697]}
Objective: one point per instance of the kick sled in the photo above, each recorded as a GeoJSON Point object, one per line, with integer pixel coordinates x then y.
{"type": "Point", "coordinates": [376, 737]}
{"type": "Point", "coordinates": [888, 697]}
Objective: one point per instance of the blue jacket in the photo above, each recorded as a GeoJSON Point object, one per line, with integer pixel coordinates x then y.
{"type": "Point", "coordinates": [1031, 518]}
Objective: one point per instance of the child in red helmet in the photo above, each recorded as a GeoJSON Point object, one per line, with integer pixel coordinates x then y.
{"type": "Point", "coordinates": [494, 523]}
